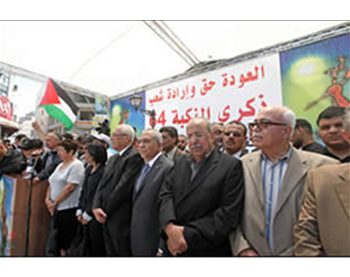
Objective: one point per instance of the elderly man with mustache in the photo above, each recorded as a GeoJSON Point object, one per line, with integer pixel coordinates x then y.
{"type": "Point", "coordinates": [274, 186]}
{"type": "Point", "coordinates": [201, 201]}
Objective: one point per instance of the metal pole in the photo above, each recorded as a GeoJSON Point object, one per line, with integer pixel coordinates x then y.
{"type": "Point", "coordinates": [153, 115]}
{"type": "Point", "coordinates": [29, 206]}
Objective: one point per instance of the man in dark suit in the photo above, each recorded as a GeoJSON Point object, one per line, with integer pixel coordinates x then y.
{"type": "Point", "coordinates": [113, 198]}
{"type": "Point", "coordinates": [170, 140]}
{"type": "Point", "coordinates": [145, 217]}
{"type": "Point", "coordinates": [235, 139]}
{"type": "Point", "coordinates": [201, 201]}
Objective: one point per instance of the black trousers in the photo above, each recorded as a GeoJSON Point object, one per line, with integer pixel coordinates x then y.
{"type": "Point", "coordinates": [95, 239]}
{"type": "Point", "coordinates": [66, 223]}
{"type": "Point", "coordinates": [116, 246]}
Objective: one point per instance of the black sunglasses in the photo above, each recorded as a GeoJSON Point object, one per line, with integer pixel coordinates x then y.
{"type": "Point", "coordinates": [235, 134]}
{"type": "Point", "coordinates": [263, 124]}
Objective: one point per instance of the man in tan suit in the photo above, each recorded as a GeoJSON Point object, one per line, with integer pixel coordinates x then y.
{"type": "Point", "coordinates": [323, 228]}
{"type": "Point", "coordinates": [274, 186]}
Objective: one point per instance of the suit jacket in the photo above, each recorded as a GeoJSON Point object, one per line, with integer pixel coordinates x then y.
{"type": "Point", "coordinates": [209, 207]}
{"type": "Point", "coordinates": [252, 231]}
{"type": "Point", "coordinates": [145, 217]}
{"type": "Point", "coordinates": [50, 161]}
{"type": "Point", "coordinates": [90, 184]}
{"type": "Point", "coordinates": [114, 194]}
{"type": "Point", "coordinates": [178, 153]}
{"type": "Point", "coordinates": [323, 228]}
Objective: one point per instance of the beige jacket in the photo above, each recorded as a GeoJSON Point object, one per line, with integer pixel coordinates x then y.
{"type": "Point", "coordinates": [323, 228]}
{"type": "Point", "coordinates": [252, 230]}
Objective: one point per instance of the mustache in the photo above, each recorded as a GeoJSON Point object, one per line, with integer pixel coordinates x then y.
{"type": "Point", "coordinates": [231, 140]}
{"type": "Point", "coordinates": [257, 134]}
{"type": "Point", "coordinates": [195, 146]}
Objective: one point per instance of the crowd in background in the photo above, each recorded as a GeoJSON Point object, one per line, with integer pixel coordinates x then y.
{"type": "Point", "coordinates": [265, 189]}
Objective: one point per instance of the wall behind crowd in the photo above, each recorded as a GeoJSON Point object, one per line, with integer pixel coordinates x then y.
{"type": "Point", "coordinates": [296, 78]}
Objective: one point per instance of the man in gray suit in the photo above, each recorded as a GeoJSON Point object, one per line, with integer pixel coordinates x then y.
{"type": "Point", "coordinates": [145, 217]}
{"type": "Point", "coordinates": [274, 186]}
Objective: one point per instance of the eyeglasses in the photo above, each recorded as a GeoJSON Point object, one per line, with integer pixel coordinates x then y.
{"type": "Point", "coordinates": [118, 135]}
{"type": "Point", "coordinates": [196, 136]}
{"type": "Point", "coordinates": [235, 134]}
{"type": "Point", "coordinates": [263, 124]}
{"type": "Point", "coordinates": [218, 132]}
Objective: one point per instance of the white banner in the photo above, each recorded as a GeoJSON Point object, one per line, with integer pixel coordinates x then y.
{"type": "Point", "coordinates": [235, 92]}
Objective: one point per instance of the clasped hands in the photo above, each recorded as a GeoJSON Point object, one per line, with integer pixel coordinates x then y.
{"type": "Point", "coordinates": [176, 239]}
{"type": "Point", "coordinates": [100, 215]}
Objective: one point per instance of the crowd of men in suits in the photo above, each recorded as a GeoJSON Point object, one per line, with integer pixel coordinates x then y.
{"type": "Point", "coordinates": [210, 193]}
{"type": "Point", "coordinates": [211, 203]}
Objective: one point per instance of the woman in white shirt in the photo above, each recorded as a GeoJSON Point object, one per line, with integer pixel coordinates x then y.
{"type": "Point", "coordinates": [62, 196]}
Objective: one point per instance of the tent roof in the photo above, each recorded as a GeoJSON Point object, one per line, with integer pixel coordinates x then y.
{"type": "Point", "coordinates": [112, 57]}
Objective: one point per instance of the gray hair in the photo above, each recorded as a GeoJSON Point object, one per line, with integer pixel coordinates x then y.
{"type": "Point", "coordinates": [346, 120]}
{"type": "Point", "coordinates": [156, 134]}
{"type": "Point", "coordinates": [128, 130]}
{"type": "Point", "coordinates": [289, 118]}
{"type": "Point", "coordinates": [197, 119]}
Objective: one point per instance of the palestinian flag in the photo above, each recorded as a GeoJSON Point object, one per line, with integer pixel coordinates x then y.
{"type": "Point", "coordinates": [59, 105]}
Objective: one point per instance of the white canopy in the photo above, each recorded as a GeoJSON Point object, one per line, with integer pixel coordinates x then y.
{"type": "Point", "coordinates": [111, 57]}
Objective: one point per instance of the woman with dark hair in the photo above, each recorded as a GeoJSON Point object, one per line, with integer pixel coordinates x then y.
{"type": "Point", "coordinates": [96, 156]}
{"type": "Point", "coordinates": [62, 196]}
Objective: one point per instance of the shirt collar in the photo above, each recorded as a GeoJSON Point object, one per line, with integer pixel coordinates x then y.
{"type": "Point", "coordinates": [123, 151]}
{"type": "Point", "coordinates": [237, 154]}
{"type": "Point", "coordinates": [192, 160]}
{"type": "Point", "coordinates": [285, 157]}
{"type": "Point", "coordinates": [171, 153]}
{"type": "Point", "coordinates": [155, 158]}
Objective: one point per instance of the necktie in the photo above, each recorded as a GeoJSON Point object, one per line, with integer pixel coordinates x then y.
{"type": "Point", "coordinates": [143, 174]}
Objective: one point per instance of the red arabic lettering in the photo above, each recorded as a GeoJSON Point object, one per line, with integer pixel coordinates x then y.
{"type": "Point", "coordinates": [206, 87]}
{"type": "Point", "coordinates": [161, 119]}
{"type": "Point", "coordinates": [182, 120]}
{"type": "Point", "coordinates": [263, 103]}
{"type": "Point", "coordinates": [228, 79]}
{"type": "Point", "coordinates": [225, 114]}
{"type": "Point", "coordinates": [193, 91]}
{"type": "Point", "coordinates": [225, 81]}
{"type": "Point", "coordinates": [249, 112]}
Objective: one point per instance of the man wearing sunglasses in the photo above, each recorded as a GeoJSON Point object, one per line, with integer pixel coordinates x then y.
{"type": "Point", "coordinates": [274, 186]}
{"type": "Point", "coordinates": [235, 138]}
